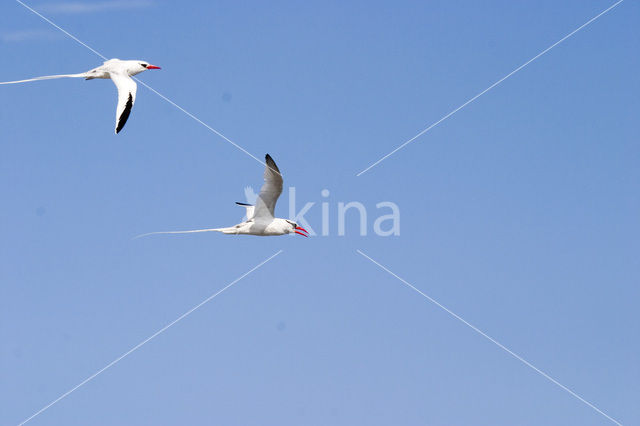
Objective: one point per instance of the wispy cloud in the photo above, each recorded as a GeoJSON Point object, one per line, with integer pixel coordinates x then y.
{"type": "Point", "coordinates": [77, 7]}
{"type": "Point", "coordinates": [28, 35]}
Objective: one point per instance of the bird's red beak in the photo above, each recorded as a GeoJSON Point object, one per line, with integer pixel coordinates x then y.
{"type": "Point", "coordinates": [300, 228]}
{"type": "Point", "coordinates": [153, 67]}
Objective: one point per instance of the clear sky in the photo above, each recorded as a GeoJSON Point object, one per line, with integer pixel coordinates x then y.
{"type": "Point", "coordinates": [520, 213]}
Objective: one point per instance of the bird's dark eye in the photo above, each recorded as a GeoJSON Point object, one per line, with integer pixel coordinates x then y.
{"type": "Point", "coordinates": [145, 65]}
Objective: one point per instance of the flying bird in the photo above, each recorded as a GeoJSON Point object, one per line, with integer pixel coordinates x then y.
{"type": "Point", "coordinates": [260, 217]}
{"type": "Point", "coordinates": [120, 72]}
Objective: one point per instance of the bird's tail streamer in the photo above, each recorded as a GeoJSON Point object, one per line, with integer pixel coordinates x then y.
{"type": "Point", "coordinates": [178, 232]}
{"type": "Point", "coordinates": [46, 77]}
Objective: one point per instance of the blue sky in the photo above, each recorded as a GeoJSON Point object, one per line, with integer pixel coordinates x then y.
{"type": "Point", "coordinates": [519, 213]}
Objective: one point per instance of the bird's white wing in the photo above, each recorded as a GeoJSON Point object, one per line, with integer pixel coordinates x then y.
{"type": "Point", "coordinates": [270, 191]}
{"type": "Point", "coordinates": [250, 195]}
{"type": "Point", "coordinates": [249, 209]}
{"type": "Point", "coordinates": [126, 98]}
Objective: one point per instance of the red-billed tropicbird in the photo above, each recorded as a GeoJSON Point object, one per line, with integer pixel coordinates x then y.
{"type": "Point", "coordinates": [120, 73]}
{"type": "Point", "coordinates": [260, 218]}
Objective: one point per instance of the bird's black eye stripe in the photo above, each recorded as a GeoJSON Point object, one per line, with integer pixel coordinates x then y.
{"type": "Point", "coordinates": [145, 65]}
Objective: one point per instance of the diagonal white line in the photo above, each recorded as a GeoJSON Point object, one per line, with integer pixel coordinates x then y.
{"type": "Point", "coordinates": [200, 121]}
{"type": "Point", "coordinates": [491, 339]}
{"type": "Point", "coordinates": [144, 84]}
{"type": "Point", "coordinates": [490, 87]}
{"type": "Point", "coordinates": [136, 347]}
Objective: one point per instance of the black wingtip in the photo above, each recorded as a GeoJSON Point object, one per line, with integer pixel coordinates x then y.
{"type": "Point", "coordinates": [243, 204]}
{"type": "Point", "coordinates": [271, 164]}
{"type": "Point", "coordinates": [125, 114]}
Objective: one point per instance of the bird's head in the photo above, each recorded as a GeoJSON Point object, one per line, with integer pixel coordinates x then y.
{"type": "Point", "coordinates": [295, 229]}
{"type": "Point", "coordinates": [143, 66]}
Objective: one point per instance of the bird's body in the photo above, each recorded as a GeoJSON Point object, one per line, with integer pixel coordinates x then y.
{"type": "Point", "coordinates": [260, 218]}
{"type": "Point", "coordinates": [263, 228]}
{"type": "Point", "coordinates": [120, 72]}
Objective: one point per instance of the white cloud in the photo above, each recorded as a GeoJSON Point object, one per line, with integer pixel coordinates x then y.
{"type": "Point", "coordinates": [28, 35]}
{"type": "Point", "coordinates": [77, 7]}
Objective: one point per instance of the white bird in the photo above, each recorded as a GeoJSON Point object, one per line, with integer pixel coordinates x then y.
{"type": "Point", "coordinates": [260, 218]}
{"type": "Point", "coordinates": [120, 72]}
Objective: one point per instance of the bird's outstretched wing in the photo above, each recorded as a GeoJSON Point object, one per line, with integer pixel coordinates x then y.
{"type": "Point", "coordinates": [250, 195]}
{"type": "Point", "coordinates": [126, 98]}
{"type": "Point", "coordinates": [250, 209]}
{"type": "Point", "coordinates": [270, 191]}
